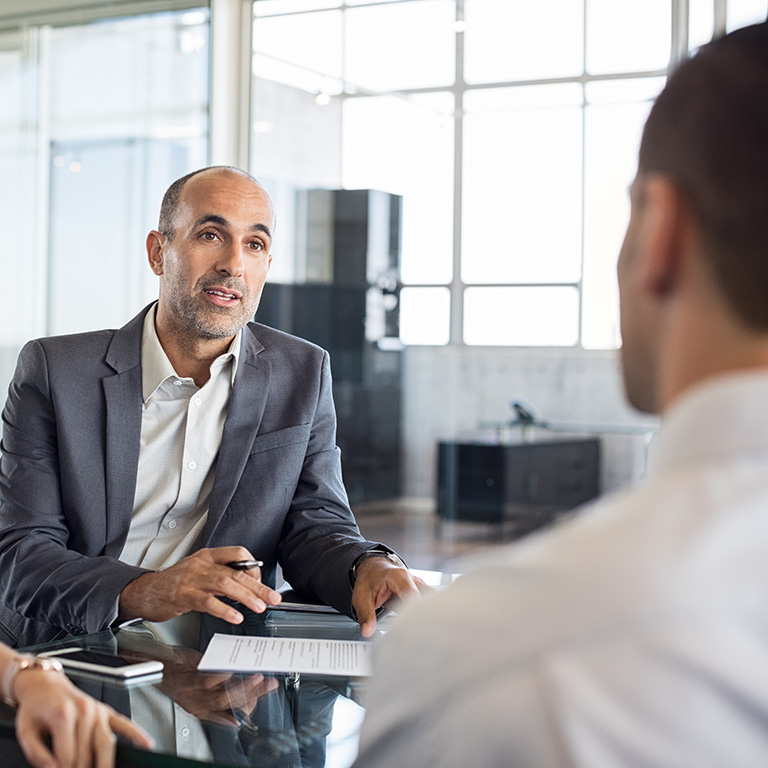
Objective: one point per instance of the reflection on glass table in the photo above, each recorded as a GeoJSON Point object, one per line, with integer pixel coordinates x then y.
{"type": "Point", "coordinates": [221, 718]}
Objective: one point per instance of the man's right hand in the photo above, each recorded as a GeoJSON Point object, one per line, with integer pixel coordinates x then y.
{"type": "Point", "coordinates": [195, 584]}
{"type": "Point", "coordinates": [211, 697]}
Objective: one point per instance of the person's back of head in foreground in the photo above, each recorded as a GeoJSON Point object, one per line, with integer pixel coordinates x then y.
{"type": "Point", "coordinates": [636, 634]}
{"type": "Point", "coordinates": [703, 168]}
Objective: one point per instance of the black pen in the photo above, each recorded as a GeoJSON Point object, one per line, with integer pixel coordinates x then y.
{"type": "Point", "coordinates": [245, 565]}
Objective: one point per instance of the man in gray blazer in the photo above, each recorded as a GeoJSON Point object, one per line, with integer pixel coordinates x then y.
{"type": "Point", "coordinates": [137, 463]}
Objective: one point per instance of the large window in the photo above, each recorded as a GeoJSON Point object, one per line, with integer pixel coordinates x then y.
{"type": "Point", "coordinates": [510, 129]}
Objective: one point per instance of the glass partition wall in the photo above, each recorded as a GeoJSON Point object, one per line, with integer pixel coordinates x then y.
{"type": "Point", "coordinates": [99, 114]}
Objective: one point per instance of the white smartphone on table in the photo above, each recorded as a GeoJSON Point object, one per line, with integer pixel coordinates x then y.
{"type": "Point", "coordinates": [103, 663]}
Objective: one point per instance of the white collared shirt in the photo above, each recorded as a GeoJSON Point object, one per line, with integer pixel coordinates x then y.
{"type": "Point", "coordinates": [633, 636]}
{"type": "Point", "coordinates": [181, 428]}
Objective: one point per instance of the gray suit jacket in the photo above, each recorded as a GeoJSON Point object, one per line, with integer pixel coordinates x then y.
{"type": "Point", "coordinates": [70, 451]}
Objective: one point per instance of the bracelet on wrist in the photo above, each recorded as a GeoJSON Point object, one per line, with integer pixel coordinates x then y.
{"type": "Point", "coordinates": [19, 664]}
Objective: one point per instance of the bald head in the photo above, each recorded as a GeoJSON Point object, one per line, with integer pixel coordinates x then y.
{"type": "Point", "coordinates": [170, 205]}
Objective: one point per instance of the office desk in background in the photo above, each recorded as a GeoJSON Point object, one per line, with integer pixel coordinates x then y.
{"type": "Point", "coordinates": [527, 484]}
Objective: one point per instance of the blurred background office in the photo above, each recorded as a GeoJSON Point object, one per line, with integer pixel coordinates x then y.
{"type": "Point", "coordinates": [450, 181]}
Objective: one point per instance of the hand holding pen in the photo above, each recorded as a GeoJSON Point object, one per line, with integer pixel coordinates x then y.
{"type": "Point", "coordinates": [196, 583]}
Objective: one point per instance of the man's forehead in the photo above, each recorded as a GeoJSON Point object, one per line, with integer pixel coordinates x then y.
{"type": "Point", "coordinates": [217, 181]}
{"type": "Point", "coordinates": [228, 199]}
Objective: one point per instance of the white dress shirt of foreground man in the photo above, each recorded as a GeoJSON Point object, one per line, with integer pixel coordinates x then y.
{"type": "Point", "coordinates": [138, 463]}
{"type": "Point", "coordinates": [636, 634]}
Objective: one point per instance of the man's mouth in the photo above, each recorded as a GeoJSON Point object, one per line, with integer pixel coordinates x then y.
{"type": "Point", "coordinates": [224, 294]}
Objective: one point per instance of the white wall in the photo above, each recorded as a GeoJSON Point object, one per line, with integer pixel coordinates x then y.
{"type": "Point", "coordinates": [448, 391]}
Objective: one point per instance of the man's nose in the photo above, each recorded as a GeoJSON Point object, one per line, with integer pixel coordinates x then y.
{"type": "Point", "coordinates": [230, 261]}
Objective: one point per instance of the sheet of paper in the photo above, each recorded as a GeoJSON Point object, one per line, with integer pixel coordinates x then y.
{"type": "Point", "coordinates": [244, 653]}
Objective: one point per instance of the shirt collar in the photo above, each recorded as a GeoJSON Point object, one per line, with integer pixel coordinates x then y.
{"type": "Point", "coordinates": [156, 367]}
{"type": "Point", "coordinates": [721, 418]}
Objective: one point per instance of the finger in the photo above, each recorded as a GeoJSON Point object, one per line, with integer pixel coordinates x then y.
{"type": "Point", "coordinates": [103, 743]}
{"type": "Point", "coordinates": [215, 607]}
{"type": "Point", "coordinates": [219, 700]}
{"type": "Point", "coordinates": [366, 614]}
{"type": "Point", "coordinates": [405, 588]}
{"type": "Point", "coordinates": [251, 592]}
{"type": "Point", "coordinates": [251, 580]}
{"type": "Point", "coordinates": [244, 694]}
{"type": "Point", "coordinates": [64, 732]}
{"type": "Point", "coordinates": [219, 718]}
{"type": "Point", "coordinates": [229, 694]}
{"type": "Point", "coordinates": [124, 727]}
{"type": "Point", "coordinates": [234, 681]}
{"type": "Point", "coordinates": [86, 730]}
{"type": "Point", "coordinates": [423, 587]}
{"type": "Point", "coordinates": [30, 739]}
{"type": "Point", "coordinates": [205, 681]}
{"type": "Point", "coordinates": [224, 555]}
{"type": "Point", "coordinates": [368, 626]}
{"type": "Point", "coordinates": [266, 686]}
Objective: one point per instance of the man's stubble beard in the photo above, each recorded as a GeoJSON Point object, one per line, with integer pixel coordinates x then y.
{"type": "Point", "coordinates": [209, 321]}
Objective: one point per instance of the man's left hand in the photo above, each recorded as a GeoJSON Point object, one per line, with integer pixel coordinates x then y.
{"type": "Point", "coordinates": [377, 582]}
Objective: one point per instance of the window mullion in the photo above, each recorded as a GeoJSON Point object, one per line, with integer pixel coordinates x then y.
{"type": "Point", "coordinates": [230, 98]}
{"type": "Point", "coordinates": [457, 287]}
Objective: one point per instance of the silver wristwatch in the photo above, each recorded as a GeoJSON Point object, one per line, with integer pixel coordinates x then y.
{"type": "Point", "coordinates": [387, 554]}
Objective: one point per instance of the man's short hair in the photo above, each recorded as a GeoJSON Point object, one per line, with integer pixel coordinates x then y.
{"type": "Point", "coordinates": [708, 132]}
{"type": "Point", "coordinates": [170, 204]}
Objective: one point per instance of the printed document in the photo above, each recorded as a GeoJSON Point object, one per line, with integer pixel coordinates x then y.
{"type": "Point", "coordinates": [245, 653]}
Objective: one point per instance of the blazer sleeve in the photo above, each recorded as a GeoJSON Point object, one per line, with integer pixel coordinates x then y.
{"type": "Point", "coordinates": [320, 539]}
{"type": "Point", "coordinates": [52, 560]}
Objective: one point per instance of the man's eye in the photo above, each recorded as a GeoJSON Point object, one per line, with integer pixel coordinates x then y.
{"type": "Point", "coordinates": [257, 246]}
{"type": "Point", "coordinates": [208, 236]}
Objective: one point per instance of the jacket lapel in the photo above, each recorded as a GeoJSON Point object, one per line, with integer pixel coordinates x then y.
{"type": "Point", "coordinates": [246, 408]}
{"type": "Point", "coordinates": [122, 393]}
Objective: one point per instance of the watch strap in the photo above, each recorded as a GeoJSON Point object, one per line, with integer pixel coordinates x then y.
{"type": "Point", "coordinates": [380, 551]}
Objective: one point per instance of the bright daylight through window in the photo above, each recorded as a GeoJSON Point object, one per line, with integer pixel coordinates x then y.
{"type": "Point", "coordinates": [510, 129]}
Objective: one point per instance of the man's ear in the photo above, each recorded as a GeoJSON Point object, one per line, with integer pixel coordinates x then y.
{"type": "Point", "coordinates": [155, 242]}
{"type": "Point", "coordinates": [666, 228]}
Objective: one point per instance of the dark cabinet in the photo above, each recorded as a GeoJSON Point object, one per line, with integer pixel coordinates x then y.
{"type": "Point", "coordinates": [526, 483]}
{"type": "Point", "coordinates": [347, 302]}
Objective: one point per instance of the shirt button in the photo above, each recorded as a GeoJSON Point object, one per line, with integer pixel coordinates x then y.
{"type": "Point", "coordinates": [198, 401]}
{"type": "Point", "coordinates": [176, 383]}
{"type": "Point", "coordinates": [184, 732]}
{"type": "Point", "coordinates": [192, 465]}
{"type": "Point", "coordinates": [171, 524]}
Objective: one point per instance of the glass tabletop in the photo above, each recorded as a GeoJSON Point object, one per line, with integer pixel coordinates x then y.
{"type": "Point", "coordinates": [229, 719]}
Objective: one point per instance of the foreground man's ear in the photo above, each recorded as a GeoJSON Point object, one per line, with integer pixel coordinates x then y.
{"type": "Point", "coordinates": [665, 232]}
